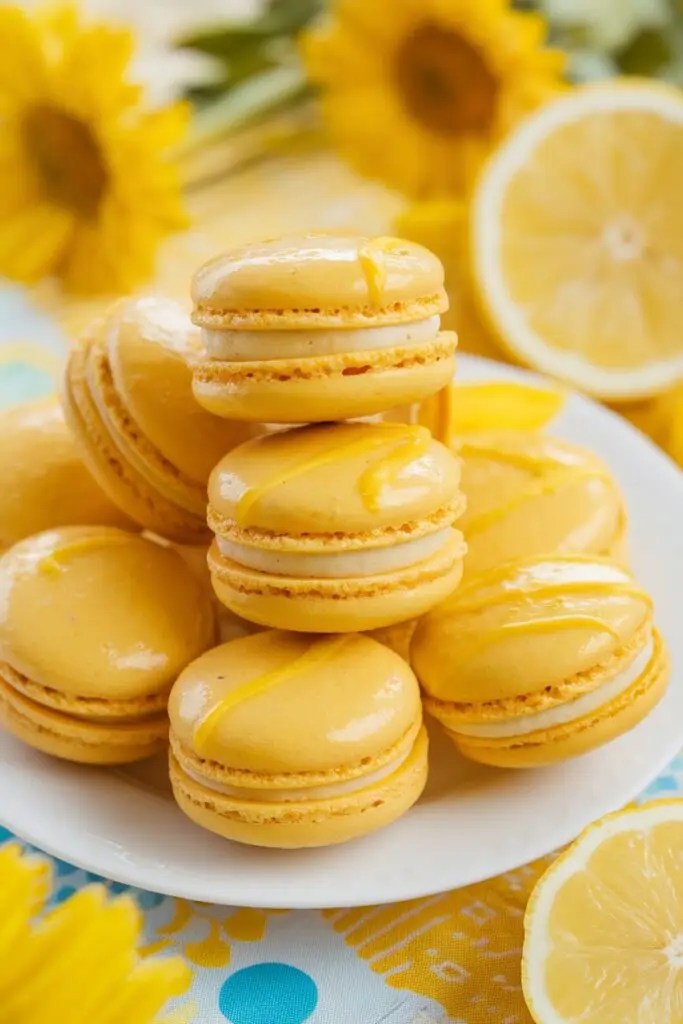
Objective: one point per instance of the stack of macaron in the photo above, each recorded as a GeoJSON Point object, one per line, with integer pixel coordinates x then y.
{"type": "Point", "coordinates": [248, 525]}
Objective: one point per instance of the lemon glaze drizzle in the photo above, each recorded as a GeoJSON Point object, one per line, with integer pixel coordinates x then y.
{"type": "Point", "coordinates": [56, 562]}
{"type": "Point", "coordinates": [536, 488]}
{"type": "Point", "coordinates": [319, 652]}
{"type": "Point", "coordinates": [413, 443]}
{"type": "Point", "coordinates": [373, 265]}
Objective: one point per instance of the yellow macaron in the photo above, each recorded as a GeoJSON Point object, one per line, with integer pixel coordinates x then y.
{"type": "Point", "coordinates": [320, 327]}
{"type": "Point", "coordinates": [340, 527]}
{"type": "Point", "coordinates": [541, 659]}
{"type": "Point", "coordinates": [128, 399]}
{"type": "Point", "coordinates": [530, 494]}
{"type": "Point", "coordinates": [95, 626]}
{"type": "Point", "coordinates": [43, 482]}
{"type": "Point", "coordinates": [289, 740]}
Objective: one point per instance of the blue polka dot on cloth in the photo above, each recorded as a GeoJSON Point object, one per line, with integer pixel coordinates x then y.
{"type": "Point", "coordinates": [268, 993]}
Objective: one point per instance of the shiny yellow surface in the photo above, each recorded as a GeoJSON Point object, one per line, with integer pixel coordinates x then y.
{"type": "Point", "coordinates": [314, 657]}
{"type": "Point", "coordinates": [150, 342]}
{"type": "Point", "coordinates": [78, 962]}
{"type": "Point", "coordinates": [320, 479]}
{"type": "Point", "coordinates": [333, 274]}
{"type": "Point", "coordinates": [43, 481]}
{"type": "Point", "coordinates": [354, 703]}
{"type": "Point", "coordinates": [527, 626]}
{"type": "Point", "coordinates": [120, 620]}
{"type": "Point", "coordinates": [528, 494]}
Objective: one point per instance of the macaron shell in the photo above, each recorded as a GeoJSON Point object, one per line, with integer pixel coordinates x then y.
{"type": "Point", "coordinates": [97, 612]}
{"type": "Point", "coordinates": [338, 606]}
{"type": "Point", "coordinates": [528, 494]}
{"type": "Point", "coordinates": [73, 739]}
{"type": "Point", "coordinates": [316, 390]}
{"type": "Point", "coordinates": [129, 489]}
{"type": "Point", "coordinates": [319, 279]}
{"type": "Point", "coordinates": [527, 626]}
{"type": "Point", "coordinates": [397, 637]}
{"type": "Point", "coordinates": [311, 480]}
{"type": "Point", "coordinates": [575, 738]}
{"type": "Point", "coordinates": [43, 480]}
{"type": "Point", "coordinates": [305, 823]}
{"type": "Point", "coordinates": [150, 343]}
{"type": "Point", "coordinates": [295, 704]}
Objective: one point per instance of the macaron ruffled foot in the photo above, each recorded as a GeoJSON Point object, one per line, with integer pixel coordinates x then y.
{"type": "Point", "coordinates": [95, 626]}
{"type": "Point", "coordinates": [340, 527]}
{"type": "Point", "coordinates": [540, 660]}
{"type": "Point", "coordinates": [291, 740]}
{"type": "Point", "coordinates": [320, 327]}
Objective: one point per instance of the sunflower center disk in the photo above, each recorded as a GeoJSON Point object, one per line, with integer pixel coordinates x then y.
{"type": "Point", "coordinates": [68, 159]}
{"type": "Point", "coordinates": [444, 81]}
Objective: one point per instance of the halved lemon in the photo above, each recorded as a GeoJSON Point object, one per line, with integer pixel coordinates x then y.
{"type": "Point", "coordinates": [578, 239]}
{"type": "Point", "coordinates": [604, 926]}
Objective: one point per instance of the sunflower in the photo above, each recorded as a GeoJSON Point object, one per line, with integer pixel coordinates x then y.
{"type": "Point", "coordinates": [78, 963]}
{"type": "Point", "coordinates": [85, 191]}
{"type": "Point", "coordinates": [416, 92]}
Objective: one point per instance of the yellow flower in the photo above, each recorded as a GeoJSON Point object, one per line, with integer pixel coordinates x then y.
{"type": "Point", "coordinates": [85, 190]}
{"type": "Point", "coordinates": [78, 963]}
{"type": "Point", "coordinates": [416, 92]}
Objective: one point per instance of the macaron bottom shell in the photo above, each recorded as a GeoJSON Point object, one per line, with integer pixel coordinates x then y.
{"type": "Point", "coordinates": [77, 739]}
{"type": "Point", "coordinates": [572, 739]}
{"type": "Point", "coordinates": [304, 823]}
{"type": "Point", "coordinates": [308, 391]}
{"type": "Point", "coordinates": [337, 605]}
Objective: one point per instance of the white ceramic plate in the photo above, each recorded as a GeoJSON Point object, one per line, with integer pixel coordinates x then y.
{"type": "Point", "coordinates": [472, 822]}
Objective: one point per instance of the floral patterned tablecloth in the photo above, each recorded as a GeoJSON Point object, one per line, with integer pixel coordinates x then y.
{"type": "Point", "coordinates": [450, 958]}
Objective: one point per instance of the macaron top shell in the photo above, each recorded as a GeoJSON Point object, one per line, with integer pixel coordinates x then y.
{"type": "Point", "coordinates": [280, 702]}
{"type": "Point", "coordinates": [98, 612]}
{"type": "Point", "coordinates": [528, 494]}
{"type": "Point", "coordinates": [527, 626]}
{"type": "Point", "coordinates": [341, 478]}
{"type": "Point", "coordinates": [318, 279]}
{"type": "Point", "coordinates": [150, 342]}
{"type": "Point", "coordinates": [43, 481]}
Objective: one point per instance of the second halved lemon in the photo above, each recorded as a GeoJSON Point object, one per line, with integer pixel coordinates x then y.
{"type": "Point", "coordinates": [578, 240]}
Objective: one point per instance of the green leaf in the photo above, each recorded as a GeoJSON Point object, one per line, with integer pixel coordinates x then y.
{"type": "Point", "coordinates": [279, 19]}
{"type": "Point", "coordinates": [250, 101]}
{"type": "Point", "coordinates": [646, 54]}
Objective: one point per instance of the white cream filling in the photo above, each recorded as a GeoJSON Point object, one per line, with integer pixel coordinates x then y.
{"type": "Point", "coordinates": [242, 346]}
{"type": "Point", "coordinates": [564, 713]}
{"type": "Point", "coordinates": [276, 796]}
{"type": "Point", "coordinates": [336, 564]}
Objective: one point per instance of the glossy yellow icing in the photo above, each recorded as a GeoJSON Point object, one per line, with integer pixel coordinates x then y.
{"type": "Point", "coordinates": [315, 657]}
{"type": "Point", "coordinates": [526, 626]}
{"type": "Point", "coordinates": [373, 264]}
{"type": "Point", "coordinates": [406, 443]}
{"type": "Point", "coordinates": [319, 270]}
{"type": "Point", "coordinates": [97, 612]}
{"type": "Point", "coordinates": [520, 577]}
{"type": "Point", "coordinates": [57, 561]}
{"type": "Point", "coordinates": [528, 494]}
{"type": "Point", "coordinates": [340, 701]}
{"type": "Point", "coordinates": [43, 481]}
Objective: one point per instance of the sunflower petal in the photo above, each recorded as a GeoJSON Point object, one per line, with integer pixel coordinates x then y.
{"type": "Point", "coordinates": [32, 240]}
{"type": "Point", "coordinates": [23, 66]}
